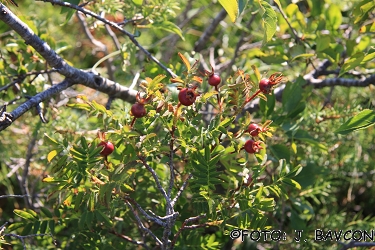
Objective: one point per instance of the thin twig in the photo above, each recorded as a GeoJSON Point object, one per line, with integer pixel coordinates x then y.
{"type": "Point", "coordinates": [141, 226]}
{"type": "Point", "coordinates": [202, 42]}
{"type": "Point", "coordinates": [182, 188]}
{"type": "Point", "coordinates": [116, 26]}
{"type": "Point", "coordinates": [13, 196]}
{"type": "Point", "coordinates": [156, 178]}
{"type": "Point", "coordinates": [145, 214]}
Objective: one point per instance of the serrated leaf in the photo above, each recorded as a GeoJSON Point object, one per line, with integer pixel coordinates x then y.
{"type": "Point", "coordinates": [269, 19]}
{"type": "Point", "coordinates": [231, 7]}
{"type": "Point", "coordinates": [362, 120]}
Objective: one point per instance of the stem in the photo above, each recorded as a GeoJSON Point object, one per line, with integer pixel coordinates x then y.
{"type": "Point", "coordinates": [218, 99]}
{"type": "Point", "coordinates": [253, 96]}
{"type": "Point", "coordinates": [133, 121]}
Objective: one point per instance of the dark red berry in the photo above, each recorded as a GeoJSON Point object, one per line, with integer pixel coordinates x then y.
{"type": "Point", "coordinates": [265, 86]}
{"type": "Point", "coordinates": [138, 110]}
{"type": "Point", "coordinates": [214, 80]}
{"type": "Point", "coordinates": [252, 146]}
{"type": "Point", "coordinates": [108, 148]}
{"type": "Point", "coordinates": [254, 129]}
{"type": "Point", "coordinates": [187, 96]}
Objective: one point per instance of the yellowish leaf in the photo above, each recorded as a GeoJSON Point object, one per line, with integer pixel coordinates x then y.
{"type": "Point", "coordinates": [231, 7]}
{"type": "Point", "coordinates": [51, 155]}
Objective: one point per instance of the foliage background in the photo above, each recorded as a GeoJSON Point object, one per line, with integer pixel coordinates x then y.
{"type": "Point", "coordinates": [338, 170]}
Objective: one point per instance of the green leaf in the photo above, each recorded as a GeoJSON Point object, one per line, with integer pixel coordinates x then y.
{"type": "Point", "coordinates": [361, 10]}
{"type": "Point", "coordinates": [51, 225]}
{"type": "Point", "coordinates": [27, 215]}
{"type": "Point", "coordinates": [322, 43]}
{"type": "Point", "coordinates": [138, 2]}
{"type": "Point", "coordinates": [280, 152]}
{"type": "Point", "coordinates": [100, 216]}
{"type": "Point", "coordinates": [362, 120]}
{"type": "Point", "coordinates": [231, 7]}
{"type": "Point", "coordinates": [27, 229]}
{"type": "Point", "coordinates": [352, 62]}
{"type": "Point", "coordinates": [83, 106]}
{"type": "Point", "coordinates": [303, 56]}
{"type": "Point", "coordinates": [170, 27]}
{"type": "Point", "coordinates": [50, 140]}
{"type": "Point", "coordinates": [291, 182]}
{"type": "Point", "coordinates": [36, 227]}
{"type": "Point", "coordinates": [333, 16]}
{"type": "Point", "coordinates": [269, 18]}
{"type": "Point", "coordinates": [241, 5]}
{"type": "Point", "coordinates": [46, 212]}
{"type": "Point", "coordinates": [43, 227]}
{"type": "Point", "coordinates": [292, 95]}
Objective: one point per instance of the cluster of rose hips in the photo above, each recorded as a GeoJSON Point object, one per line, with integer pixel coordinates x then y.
{"type": "Point", "coordinates": [252, 146]}
{"type": "Point", "coordinates": [187, 97]}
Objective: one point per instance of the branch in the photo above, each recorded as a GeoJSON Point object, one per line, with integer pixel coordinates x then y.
{"type": "Point", "coordinates": [156, 178]}
{"type": "Point", "coordinates": [202, 42]}
{"type": "Point", "coordinates": [22, 238]}
{"type": "Point", "coordinates": [149, 217]}
{"type": "Point", "coordinates": [12, 196]}
{"type": "Point", "coordinates": [116, 26]}
{"type": "Point", "coordinates": [34, 101]}
{"type": "Point", "coordinates": [140, 224]}
{"type": "Point", "coordinates": [182, 188]}
{"type": "Point", "coordinates": [74, 75]}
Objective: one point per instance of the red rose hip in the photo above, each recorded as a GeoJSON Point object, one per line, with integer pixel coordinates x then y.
{"type": "Point", "coordinates": [254, 129]}
{"type": "Point", "coordinates": [138, 110]}
{"type": "Point", "coordinates": [214, 80]}
{"type": "Point", "coordinates": [252, 146]}
{"type": "Point", "coordinates": [108, 148]}
{"type": "Point", "coordinates": [265, 86]}
{"type": "Point", "coordinates": [187, 96]}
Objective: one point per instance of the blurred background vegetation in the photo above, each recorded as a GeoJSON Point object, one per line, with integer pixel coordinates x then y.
{"type": "Point", "coordinates": [337, 179]}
